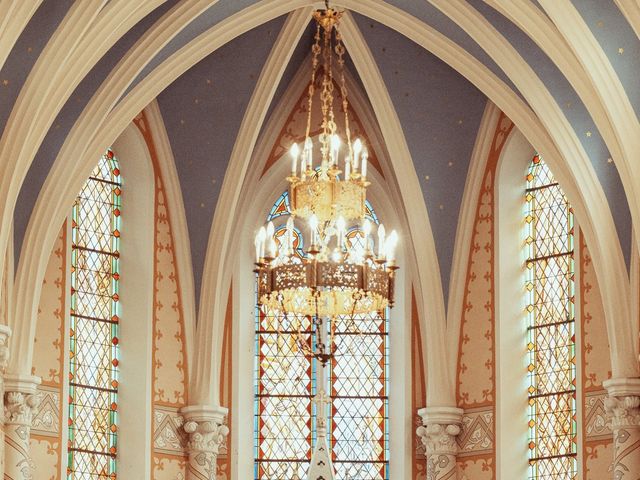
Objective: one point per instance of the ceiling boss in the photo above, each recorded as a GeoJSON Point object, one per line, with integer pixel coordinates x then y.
{"type": "Point", "coordinates": [327, 187]}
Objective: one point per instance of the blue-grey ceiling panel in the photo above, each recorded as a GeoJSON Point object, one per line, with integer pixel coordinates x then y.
{"type": "Point", "coordinates": [202, 111]}
{"type": "Point", "coordinates": [26, 51]}
{"type": "Point", "coordinates": [440, 112]}
{"type": "Point", "coordinates": [210, 17]}
{"type": "Point", "coordinates": [618, 40]}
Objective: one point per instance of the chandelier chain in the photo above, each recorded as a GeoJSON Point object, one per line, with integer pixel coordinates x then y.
{"type": "Point", "coordinates": [315, 50]}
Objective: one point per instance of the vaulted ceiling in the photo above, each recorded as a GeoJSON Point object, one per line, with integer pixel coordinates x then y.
{"type": "Point", "coordinates": [523, 48]}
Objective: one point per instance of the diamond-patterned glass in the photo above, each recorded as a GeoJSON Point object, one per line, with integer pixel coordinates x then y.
{"type": "Point", "coordinates": [95, 314]}
{"type": "Point", "coordinates": [286, 382]}
{"type": "Point", "coordinates": [550, 292]}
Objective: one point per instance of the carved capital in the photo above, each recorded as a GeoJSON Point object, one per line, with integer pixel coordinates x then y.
{"type": "Point", "coordinates": [19, 407]}
{"type": "Point", "coordinates": [205, 426]}
{"type": "Point", "coordinates": [440, 427]}
{"type": "Point", "coordinates": [439, 439]}
{"type": "Point", "coordinates": [205, 436]}
{"type": "Point", "coordinates": [623, 412]}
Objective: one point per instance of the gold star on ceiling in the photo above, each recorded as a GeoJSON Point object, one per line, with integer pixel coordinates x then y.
{"type": "Point", "coordinates": [620, 51]}
{"type": "Point", "coordinates": [588, 134]}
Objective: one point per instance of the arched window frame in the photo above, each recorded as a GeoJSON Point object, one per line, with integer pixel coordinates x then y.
{"type": "Point", "coordinates": [135, 435]}
{"type": "Point", "coordinates": [95, 317]}
{"type": "Point", "coordinates": [512, 432]}
{"type": "Point", "coordinates": [347, 402]}
{"type": "Point", "coordinates": [551, 342]}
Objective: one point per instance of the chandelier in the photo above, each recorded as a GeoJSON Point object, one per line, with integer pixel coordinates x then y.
{"type": "Point", "coordinates": [334, 277]}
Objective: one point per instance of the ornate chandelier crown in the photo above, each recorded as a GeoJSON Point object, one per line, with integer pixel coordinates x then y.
{"type": "Point", "coordinates": [334, 277]}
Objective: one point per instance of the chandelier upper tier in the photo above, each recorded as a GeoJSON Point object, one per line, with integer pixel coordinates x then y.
{"type": "Point", "coordinates": [327, 189]}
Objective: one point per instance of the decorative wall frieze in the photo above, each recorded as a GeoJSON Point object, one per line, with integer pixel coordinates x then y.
{"type": "Point", "coordinates": [477, 434]}
{"type": "Point", "coordinates": [169, 435]}
{"type": "Point", "coordinates": [46, 417]}
{"type": "Point", "coordinates": [596, 425]}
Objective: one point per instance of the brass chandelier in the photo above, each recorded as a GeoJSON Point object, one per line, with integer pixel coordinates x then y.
{"type": "Point", "coordinates": [334, 277]}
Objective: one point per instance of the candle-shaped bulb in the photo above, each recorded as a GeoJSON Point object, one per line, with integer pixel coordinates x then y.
{"type": "Point", "coordinates": [365, 158]}
{"type": "Point", "coordinates": [392, 242]}
{"type": "Point", "coordinates": [273, 247]}
{"type": "Point", "coordinates": [308, 153]}
{"type": "Point", "coordinates": [381, 241]}
{"type": "Point", "coordinates": [313, 225]}
{"type": "Point", "coordinates": [262, 236]}
{"type": "Point", "coordinates": [366, 228]}
{"type": "Point", "coordinates": [335, 148]}
{"type": "Point", "coordinates": [357, 149]}
{"type": "Point", "coordinates": [290, 234]}
{"type": "Point", "coordinates": [270, 229]}
{"type": "Point", "coordinates": [341, 225]}
{"type": "Point", "coordinates": [347, 171]}
{"type": "Point", "coordinates": [295, 153]}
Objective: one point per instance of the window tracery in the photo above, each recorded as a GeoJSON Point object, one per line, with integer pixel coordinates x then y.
{"type": "Point", "coordinates": [285, 416]}
{"type": "Point", "coordinates": [550, 306]}
{"type": "Point", "coordinates": [95, 315]}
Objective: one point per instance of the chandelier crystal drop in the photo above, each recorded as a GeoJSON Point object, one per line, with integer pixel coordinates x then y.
{"type": "Point", "coordinates": [327, 189]}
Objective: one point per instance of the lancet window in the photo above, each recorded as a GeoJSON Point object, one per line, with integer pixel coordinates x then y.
{"type": "Point", "coordinates": [286, 382]}
{"type": "Point", "coordinates": [550, 293]}
{"type": "Point", "coordinates": [95, 315]}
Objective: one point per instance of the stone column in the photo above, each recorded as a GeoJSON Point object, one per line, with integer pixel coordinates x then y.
{"type": "Point", "coordinates": [5, 334]}
{"type": "Point", "coordinates": [440, 426]}
{"type": "Point", "coordinates": [623, 411]}
{"type": "Point", "coordinates": [207, 432]}
{"type": "Point", "coordinates": [21, 401]}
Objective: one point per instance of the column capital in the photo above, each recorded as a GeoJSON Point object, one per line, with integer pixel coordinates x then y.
{"type": "Point", "coordinates": [440, 427]}
{"type": "Point", "coordinates": [205, 425]}
{"type": "Point", "coordinates": [623, 402]}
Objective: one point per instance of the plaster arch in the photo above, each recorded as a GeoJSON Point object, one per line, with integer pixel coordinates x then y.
{"type": "Point", "coordinates": [609, 88]}
{"type": "Point", "coordinates": [12, 22]}
{"type": "Point", "coordinates": [584, 190]}
{"type": "Point", "coordinates": [259, 194]}
{"type": "Point", "coordinates": [51, 82]}
{"type": "Point", "coordinates": [84, 129]}
{"type": "Point", "coordinates": [464, 231]}
{"type": "Point", "coordinates": [175, 206]}
{"type": "Point", "coordinates": [143, 93]}
{"type": "Point", "coordinates": [631, 10]}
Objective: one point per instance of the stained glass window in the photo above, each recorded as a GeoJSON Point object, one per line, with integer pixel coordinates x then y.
{"type": "Point", "coordinates": [286, 383]}
{"type": "Point", "coordinates": [95, 314]}
{"type": "Point", "coordinates": [551, 346]}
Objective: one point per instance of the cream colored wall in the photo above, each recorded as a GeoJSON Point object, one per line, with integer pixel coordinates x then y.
{"type": "Point", "coordinates": [48, 363]}
{"type": "Point", "coordinates": [477, 392]}
{"type": "Point", "coordinates": [170, 375]}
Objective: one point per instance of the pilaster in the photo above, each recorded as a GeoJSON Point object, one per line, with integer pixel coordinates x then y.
{"type": "Point", "coordinates": [440, 427]}
{"type": "Point", "coordinates": [21, 401]}
{"type": "Point", "coordinates": [205, 426]}
{"type": "Point", "coordinates": [5, 334]}
{"type": "Point", "coordinates": [623, 411]}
